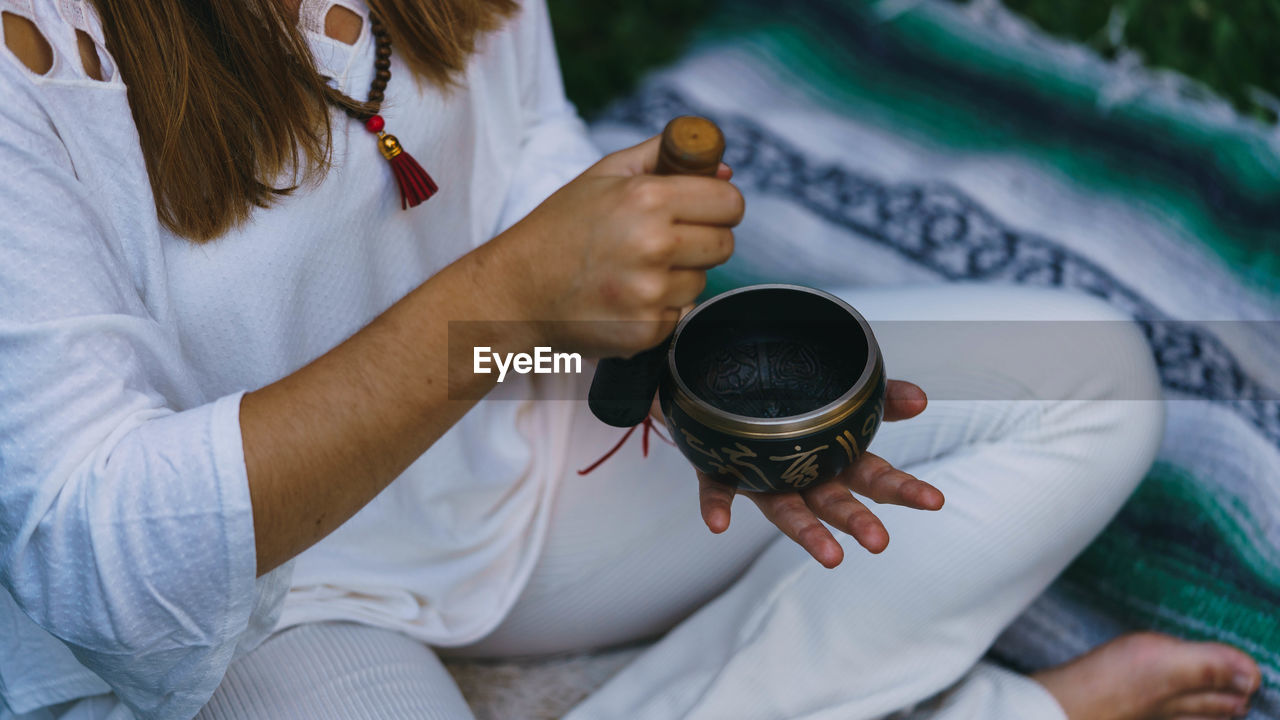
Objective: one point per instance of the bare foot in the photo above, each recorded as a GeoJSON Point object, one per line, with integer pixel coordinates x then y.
{"type": "Point", "coordinates": [1147, 676]}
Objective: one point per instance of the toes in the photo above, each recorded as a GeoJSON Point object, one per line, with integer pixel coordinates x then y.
{"type": "Point", "coordinates": [1195, 667]}
{"type": "Point", "coordinates": [1211, 704]}
{"type": "Point", "coordinates": [1212, 666]}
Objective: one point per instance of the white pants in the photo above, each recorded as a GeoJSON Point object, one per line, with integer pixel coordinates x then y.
{"type": "Point", "coordinates": [1051, 437]}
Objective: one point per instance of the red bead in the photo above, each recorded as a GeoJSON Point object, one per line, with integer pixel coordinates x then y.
{"type": "Point", "coordinates": [374, 124]}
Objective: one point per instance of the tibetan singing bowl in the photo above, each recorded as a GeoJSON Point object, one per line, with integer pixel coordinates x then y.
{"type": "Point", "coordinates": [773, 388]}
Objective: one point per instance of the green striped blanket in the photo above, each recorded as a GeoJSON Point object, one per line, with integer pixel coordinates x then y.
{"type": "Point", "coordinates": [924, 141]}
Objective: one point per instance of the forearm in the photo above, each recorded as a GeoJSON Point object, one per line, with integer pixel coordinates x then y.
{"type": "Point", "coordinates": [320, 443]}
{"type": "Point", "coordinates": [616, 247]}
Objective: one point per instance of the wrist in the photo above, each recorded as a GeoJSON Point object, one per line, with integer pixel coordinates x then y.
{"type": "Point", "coordinates": [508, 282]}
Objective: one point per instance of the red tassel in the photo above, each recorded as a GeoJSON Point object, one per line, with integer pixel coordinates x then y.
{"type": "Point", "coordinates": [415, 184]}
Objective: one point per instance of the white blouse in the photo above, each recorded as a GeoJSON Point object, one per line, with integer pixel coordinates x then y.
{"type": "Point", "coordinates": [127, 559]}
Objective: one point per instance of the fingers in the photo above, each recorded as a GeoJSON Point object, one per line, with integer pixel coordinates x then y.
{"type": "Point", "coordinates": [832, 503]}
{"type": "Point", "coordinates": [661, 297]}
{"type": "Point", "coordinates": [690, 199]}
{"type": "Point", "coordinates": [701, 247]}
{"type": "Point", "coordinates": [682, 198]}
{"type": "Point", "coordinates": [703, 200]}
{"type": "Point", "coordinates": [715, 500]}
{"type": "Point", "coordinates": [683, 287]}
{"type": "Point", "coordinates": [639, 159]}
{"type": "Point", "coordinates": [873, 477]}
{"type": "Point", "coordinates": [794, 518]}
{"type": "Point", "coordinates": [903, 400]}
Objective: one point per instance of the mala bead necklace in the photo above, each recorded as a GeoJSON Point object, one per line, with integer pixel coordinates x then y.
{"type": "Point", "coordinates": [415, 184]}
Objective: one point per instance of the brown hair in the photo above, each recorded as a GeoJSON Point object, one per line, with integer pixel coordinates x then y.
{"type": "Point", "coordinates": [230, 110]}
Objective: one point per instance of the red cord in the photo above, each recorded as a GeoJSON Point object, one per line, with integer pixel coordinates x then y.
{"type": "Point", "coordinates": [649, 426]}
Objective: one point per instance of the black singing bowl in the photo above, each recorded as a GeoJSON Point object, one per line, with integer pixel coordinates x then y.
{"type": "Point", "coordinates": [773, 388]}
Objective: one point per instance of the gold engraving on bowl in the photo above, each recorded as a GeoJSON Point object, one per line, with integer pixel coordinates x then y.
{"type": "Point", "coordinates": [850, 445]}
{"type": "Point", "coordinates": [735, 461]}
{"type": "Point", "coordinates": [869, 425]}
{"type": "Point", "coordinates": [734, 465]}
{"type": "Point", "coordinates": [803, 468]}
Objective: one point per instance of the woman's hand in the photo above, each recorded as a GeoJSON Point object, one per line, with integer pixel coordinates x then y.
{"type": "Point", "coordinates": [620, 248]}
{"type": "Point", "coordinates": [798, 514]}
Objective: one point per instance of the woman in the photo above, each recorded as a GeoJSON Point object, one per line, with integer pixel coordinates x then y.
{"type": "Point", "coordinates": [222, 335]}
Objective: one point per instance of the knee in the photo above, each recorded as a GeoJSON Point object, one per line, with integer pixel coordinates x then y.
{"type": "Point", "coordinates": [1072, 375]}
{"type": "Point", "coordinates": [1116, 370]}
{"type": "Point", "coordinates": [1109, 405]}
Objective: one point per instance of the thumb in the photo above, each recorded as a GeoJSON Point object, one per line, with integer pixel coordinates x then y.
{"type": "Point", "coordinates": [636, 160]}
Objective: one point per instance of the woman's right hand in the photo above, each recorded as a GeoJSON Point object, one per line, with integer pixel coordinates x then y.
{"type": "Point", "coordinates": [619, 248]}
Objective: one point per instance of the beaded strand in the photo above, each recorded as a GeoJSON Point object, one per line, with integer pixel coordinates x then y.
{"type": "Point", "coordinates": [415, 184]}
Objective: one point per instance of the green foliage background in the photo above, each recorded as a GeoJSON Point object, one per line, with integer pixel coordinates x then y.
{"type": "Point", "coordinates": [606, 46]}
{"type": "Point", "coordinates": [1229, 45]}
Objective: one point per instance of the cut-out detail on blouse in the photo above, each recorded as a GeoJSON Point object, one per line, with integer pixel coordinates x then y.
{"type": "Point", "coordinates": [46, 38]}
{"type": "Point", "coordinates": [27, 43]}
{"type": "Point", "coordinates": [343, 24]}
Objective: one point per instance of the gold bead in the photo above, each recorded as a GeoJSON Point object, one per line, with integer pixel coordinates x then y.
{"type": "Point", "coordinates": [389, 145]}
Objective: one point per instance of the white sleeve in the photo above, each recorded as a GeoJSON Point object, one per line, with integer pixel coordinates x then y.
{"type": "Point", "coordinates": [554, 145]}
{"type": "Point", "coordinates": [125, 524]}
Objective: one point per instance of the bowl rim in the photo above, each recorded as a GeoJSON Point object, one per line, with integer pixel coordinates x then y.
{"type": "Point", "coordinates": [790, 425]}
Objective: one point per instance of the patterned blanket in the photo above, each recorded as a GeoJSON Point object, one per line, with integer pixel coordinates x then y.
{"type": "Point", "coordinates": [923, 141]}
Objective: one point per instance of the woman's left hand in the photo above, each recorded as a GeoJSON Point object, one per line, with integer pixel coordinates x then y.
{"type": "Point", "coordinates": [800, 514]}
